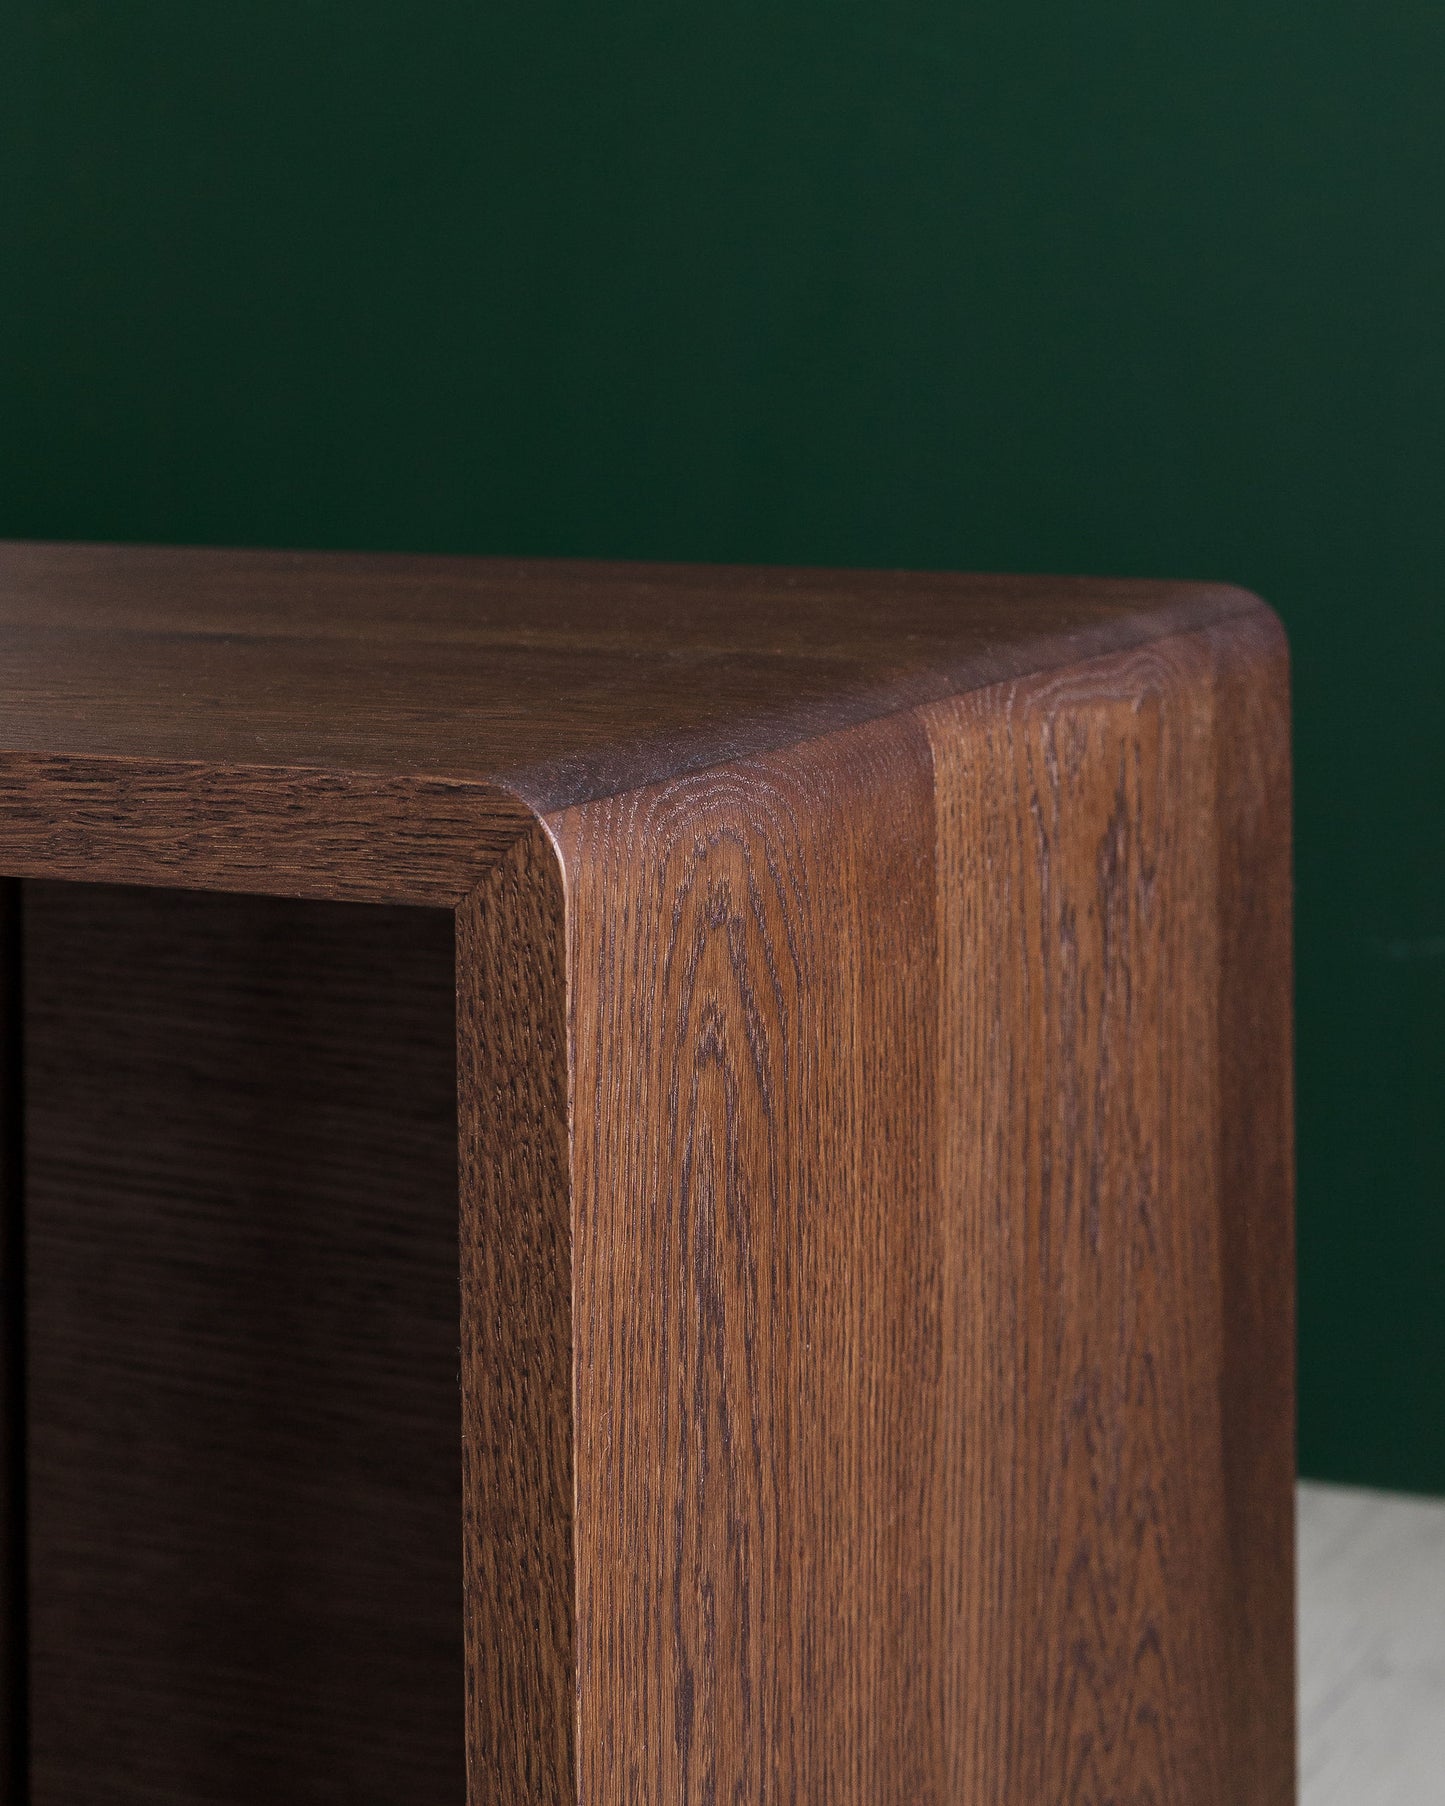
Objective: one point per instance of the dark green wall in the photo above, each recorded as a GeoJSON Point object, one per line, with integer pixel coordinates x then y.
{"type": "Point", "coordinates": [1137, 286]}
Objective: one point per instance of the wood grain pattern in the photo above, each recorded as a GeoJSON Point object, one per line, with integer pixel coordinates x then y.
{"type": "Point", "coordinates": [1256, 1177]}
{"type": "Point", "coordinates": [262, 831]}
{"type": "Point", "coordinates": [557, 682]}
{"type": "Point", "coordinates": [872, 1060]}
{"type": "Point", "coordinates": [244, 1413]}
{"type": "Point", "coordinates": [912, 1461]}
{"type": "Point", "coordinates": [1076, 874]}
{"type": "Point", "coordinates": [517, 1422]}
{"type": "Point", "coordinates": [755, 1277]}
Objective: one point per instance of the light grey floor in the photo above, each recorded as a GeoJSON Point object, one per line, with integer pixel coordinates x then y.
{"type": "Point", "coordinates": [1372, 1648]}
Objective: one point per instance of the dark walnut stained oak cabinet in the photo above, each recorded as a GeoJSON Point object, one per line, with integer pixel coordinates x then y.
{"type": "Point", "coordinates": [644, 1186]}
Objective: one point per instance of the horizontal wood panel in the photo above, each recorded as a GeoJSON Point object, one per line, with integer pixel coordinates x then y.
{"type": "Point", "coordinates": [561, 682]}
{"type": "Point", "coordinates": [278, 833]}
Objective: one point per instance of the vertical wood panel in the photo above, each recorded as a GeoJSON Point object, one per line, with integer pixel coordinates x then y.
{"type": "Point", "coordinates": [919, 1456]}
{"type": "Point", "coordinates": [516, 1334]}
{"type": "Point", "coordinates": [1256, 1166]}
{"type": "Point", "coordinates": [1115, 1468]}
{"type": "Point", "coordinates": [245, 1416]}
{"type": "Point", "coordinates": [763, 1567]}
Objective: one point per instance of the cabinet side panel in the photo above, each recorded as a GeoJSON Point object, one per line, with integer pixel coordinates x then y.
{"type": "Point", "coordinates": [516, 1334]}
{"type": "Point", "coordinates": [768, 1445]}
{"type": "Point", "coordinates": [244, 1413]}
{"type": "Point", "coordinates": [1256, 1165]}
{"type": "Point", "coordinates": [1081, 849]}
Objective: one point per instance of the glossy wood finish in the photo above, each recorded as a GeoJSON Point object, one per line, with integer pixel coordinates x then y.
{"type": "Point", "coordinates": [873, 1099]}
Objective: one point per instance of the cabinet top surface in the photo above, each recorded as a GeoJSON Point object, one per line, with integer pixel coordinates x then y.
{"type": "Point", "coordinates": [558, 681]}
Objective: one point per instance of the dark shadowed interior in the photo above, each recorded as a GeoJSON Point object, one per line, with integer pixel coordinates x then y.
{"type": "Point", "coordinates": [241, 1197]}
